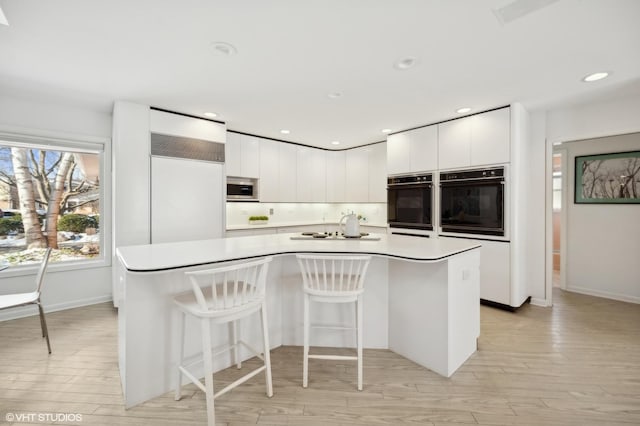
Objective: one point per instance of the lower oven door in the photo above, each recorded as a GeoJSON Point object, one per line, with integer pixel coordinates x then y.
{"type": "Point", "coordinates": [409, 206]}
{"type": "Point", "coordinates": [472, 207]}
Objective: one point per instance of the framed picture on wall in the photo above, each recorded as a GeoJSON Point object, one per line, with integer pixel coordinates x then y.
{"type": "Point", "coordinates": [608, 178]}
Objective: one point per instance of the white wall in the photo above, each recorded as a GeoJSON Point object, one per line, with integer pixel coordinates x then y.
{"type": "Point", "coordinates": [62, 289]}
{"type": "Point", "coordinates": [603, 241]}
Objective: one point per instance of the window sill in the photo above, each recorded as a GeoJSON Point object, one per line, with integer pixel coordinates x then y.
{"type": "Point", "coordinates": [17, 271]}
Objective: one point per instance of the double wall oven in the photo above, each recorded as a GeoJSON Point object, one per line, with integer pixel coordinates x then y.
{"type": "Point", "coordinates": [473, 202]}
{"type": "Point", "coordinates": [410, 201]}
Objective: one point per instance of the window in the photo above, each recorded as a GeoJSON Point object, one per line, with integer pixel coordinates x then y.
{"type": "Point", "coordinates": [50, 196]}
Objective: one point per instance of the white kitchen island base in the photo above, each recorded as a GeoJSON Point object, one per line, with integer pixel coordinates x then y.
{"type": "Point", "coordinates": [421, 300]}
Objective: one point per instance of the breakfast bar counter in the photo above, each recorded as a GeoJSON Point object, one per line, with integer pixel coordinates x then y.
{"type": "Point", "coordinates": [421, 301]}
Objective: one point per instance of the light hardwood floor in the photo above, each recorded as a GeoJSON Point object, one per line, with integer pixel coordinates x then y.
{"type": "Point", "coordinates": [575, 364]}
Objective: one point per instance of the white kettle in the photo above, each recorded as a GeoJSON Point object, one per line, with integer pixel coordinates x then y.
{"type": "Point", "coordinates": [351, 226]}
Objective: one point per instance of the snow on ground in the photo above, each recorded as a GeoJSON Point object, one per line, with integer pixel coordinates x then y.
{"type": "Point", "coordinates": [68, 249]}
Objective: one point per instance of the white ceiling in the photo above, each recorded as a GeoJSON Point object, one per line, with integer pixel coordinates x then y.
{"type": "Point", "coordinates": [292, 53]}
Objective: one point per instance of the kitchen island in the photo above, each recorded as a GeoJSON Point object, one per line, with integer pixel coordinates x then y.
{"type": "Point", "coordinates": [421, 301]}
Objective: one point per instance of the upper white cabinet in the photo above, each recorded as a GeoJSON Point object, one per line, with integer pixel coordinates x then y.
{"type": "Point", "coordinates": [311, 175]}
{"type": "Point", "coordinates": [377, 173]}
{"type": "Point", "coordinates": [336, 175]}
{"type": "Point", "coordinates": [357, 175]}
{"type": "Point", "coordinates": [287, 172]}
{"type": "Point", "coordinates": [454, 140]}
{"type": "Point", "coordinates": [242, 155]}
{"type": "Point", "coordinates": [479, 140]}
{"type": "Point", "coordinates": [269, 184]}
{"type": "Point", "coordinates": [490, 137]}
{"type": "Point", "coordinates": [167, 123]}
{"type": "Point", "coordinates": [413, 151]}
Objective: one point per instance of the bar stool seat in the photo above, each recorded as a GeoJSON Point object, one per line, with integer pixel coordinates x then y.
{"type": "Point", "coordinates": [333, 279]}
{"type": "Point", "coordinates": [222, 295]}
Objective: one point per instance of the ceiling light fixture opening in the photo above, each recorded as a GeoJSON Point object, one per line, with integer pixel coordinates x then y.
{"type": "Point", "coordinates": [335, 143]}
{"type": "Point", "coordinates": [221, 48]}
{"type": "Point", "coordinates": [595, 76]}
{"type": "Point", "coordinates": [285, 131]}
{"type": "Point", "coordinates": [463, 110]}
{"type": "Point", "coordinates": [210, 114]}
{"type": "Point", "coordinates": [405, 63]}
{"type": "Point", "coordinates": [386, 130]}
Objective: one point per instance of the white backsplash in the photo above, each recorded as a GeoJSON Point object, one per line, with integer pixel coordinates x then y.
{"type": "Point", "coordinates": [287, 213]}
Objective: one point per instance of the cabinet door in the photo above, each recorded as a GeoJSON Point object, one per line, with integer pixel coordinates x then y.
{"type": "Point", "coordinates": [398, 153]}
{"type": "Point", "coordinates": [250, 156]}
{"type": "Point", "coordinates": [454, 139]}
{"type": "Point", "coordinates": [378, 173]}
{"type": "Point", "coordinates": [287, 172]}
{"type": "Point", "coordinates": [232, 154]}
{"type": "Point", "coordinates": [336, 176]}
{"type": "Point", "coordinates": [423, 149]}
{"type": "Point", "coordinates": [357, 173]}
{"type": "Point", "coordinates": [268, 190]}
{"type": "Point", "coordinates": [490, 137]}
{"type": "Point", "coordinates": [311, 175]}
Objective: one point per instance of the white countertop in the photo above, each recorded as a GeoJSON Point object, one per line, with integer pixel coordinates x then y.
{"type": "Point", "coordinates": [288, 224]}
{"type": "Point", "coordinates": [160, 257]}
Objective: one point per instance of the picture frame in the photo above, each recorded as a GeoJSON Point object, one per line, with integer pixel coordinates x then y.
{"type": "Point", "coordinates": [612, 178]}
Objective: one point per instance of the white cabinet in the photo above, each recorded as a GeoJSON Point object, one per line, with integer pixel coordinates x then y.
{"type": "Point", "coordinates": [490, 137]}
{"type": "Point", "coordinates": [336, 175]}
{"type": "Point", "coordinates": [269, 184]}
{"type": "Point", "coordinates": [166, 123]}
{"type": "Point", "coordinates": [413, 151]}
{"type": "Point", "coordinates": [454, 140]}
{"type": "Point", "coordinates": [287, 172]}
{"type": "Point", "coordinates": [357, 175]}
{"type": "Point", "coordinates": [479, 140]}
{"type": "Point", "coordinates": [242, 155]}
{"type": "Point", "coordinates": [495, 271]}
{"type": "Point", "coordinates": [377, 173]}
{"type": "Point", "coordinates": [311, 175]}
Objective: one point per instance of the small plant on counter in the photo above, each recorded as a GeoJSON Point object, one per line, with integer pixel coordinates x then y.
{"type": "Point", "coordinates": [255, 220]}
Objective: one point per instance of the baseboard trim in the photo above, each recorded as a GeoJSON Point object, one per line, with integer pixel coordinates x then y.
{"type": "Point", "coordinates": [604, 294]}
{"type": "Point", "coordinates": [31, 310]}
{"type": "Point", "coordinates": [540, 302]}
{"type": "Point", "coordinates": [502, 305]}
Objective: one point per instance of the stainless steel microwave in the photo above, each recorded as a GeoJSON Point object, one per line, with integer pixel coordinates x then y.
{"type": "Point", "coordinates": [242, 189]}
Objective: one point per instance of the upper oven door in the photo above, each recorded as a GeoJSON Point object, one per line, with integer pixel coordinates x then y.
{"type": "Point", "coordinates": [474, 206]}
{"type": "Point", "coordinates": [410, 205]}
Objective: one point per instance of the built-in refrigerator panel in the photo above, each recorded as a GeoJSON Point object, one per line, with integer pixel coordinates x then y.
{"type": "Point", "coordinates": [187, 200]}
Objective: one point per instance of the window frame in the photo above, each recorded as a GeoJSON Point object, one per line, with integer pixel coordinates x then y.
{"type": "Point", "coordinates": [61, 141]}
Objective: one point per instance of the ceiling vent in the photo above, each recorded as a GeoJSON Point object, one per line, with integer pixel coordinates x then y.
{"type": "Point", "coordinates": [520, 8]}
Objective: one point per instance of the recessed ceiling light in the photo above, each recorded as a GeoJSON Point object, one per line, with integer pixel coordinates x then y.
{"type": "Point", "coordinates": [595, 76]}
{"type": "Point", "coordinates": [386, 130]}
{"type": "Point", "coordinates": [334, 95]}
{"type": "Point", "coordinates": [405, 63]}
{"type": "Point", "coordinates": [463, 110]}
{"type": "Point", "coordinates": [210, 114]}
{"type": "Point", "coordinates": [335, 143]}
{"type": "Point", "coordinates": [221, 48]}
{"type": "Point", "coordinates": [285, 131]}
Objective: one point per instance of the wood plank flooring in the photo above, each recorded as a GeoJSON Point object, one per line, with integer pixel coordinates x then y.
{"type": "Point", "coordinates": [577, 363]}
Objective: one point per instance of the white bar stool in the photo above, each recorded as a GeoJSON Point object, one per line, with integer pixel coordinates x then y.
{"type": "Point", "coordinates": [230, 293]}
{"type": "Point", "coordinates": [333, 279]}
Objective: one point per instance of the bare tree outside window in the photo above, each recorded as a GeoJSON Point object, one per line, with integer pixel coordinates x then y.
{"type": "Point", "coordinates": [48, 198]}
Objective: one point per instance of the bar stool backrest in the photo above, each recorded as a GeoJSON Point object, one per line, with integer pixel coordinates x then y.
{"type": "Point", "coordinates": [230, 286]}
{"type": "Point", "coordinates": [333, 274]}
